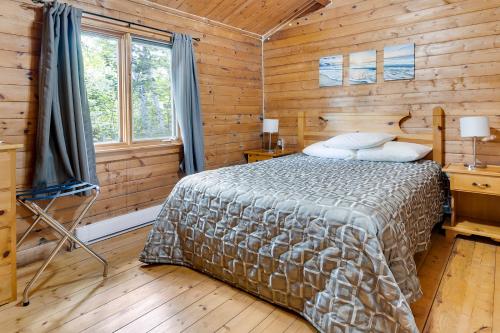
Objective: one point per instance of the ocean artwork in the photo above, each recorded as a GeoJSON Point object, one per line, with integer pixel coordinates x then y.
{"type": "Point", "coordinates": [363, 67]}
{"type": "Point", "coordinates": [330, 71]}
{"type": "Point", "coordinates": [399, 62]}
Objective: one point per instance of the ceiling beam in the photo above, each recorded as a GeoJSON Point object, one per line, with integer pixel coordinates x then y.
{"type": "Point", "coordinates": [323, 3]}
{"type": "Point", "coordinates": [309, 7]}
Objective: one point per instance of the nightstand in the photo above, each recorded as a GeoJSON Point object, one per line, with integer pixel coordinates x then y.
{"type": "Point", "coordinates": [8, 276]}
{"type": "Point", "coordinates": [475, 201]}
{"type": "Point", "coordinates": [262, 154]}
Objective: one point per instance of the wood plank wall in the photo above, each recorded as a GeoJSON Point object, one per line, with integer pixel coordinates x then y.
{"type": "Point", "coordinates": [457, 65]}
{"type": "Point", "coordinates": [229, 65]}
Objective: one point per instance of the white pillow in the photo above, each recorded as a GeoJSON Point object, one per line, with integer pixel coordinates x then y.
{"type": "Point", "coordinates": [360, 140]}
{"type": "Point", "coordinates": [320, 150]}
{"type": "Point", "coordinates": [395, 152]}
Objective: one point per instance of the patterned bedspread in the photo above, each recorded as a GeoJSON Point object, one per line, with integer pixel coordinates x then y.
{"type": "Point", "coordinates": [332, 240]}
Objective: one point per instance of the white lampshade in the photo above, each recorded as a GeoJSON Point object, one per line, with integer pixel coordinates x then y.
{"type": "Point", "coordinates": [271, 125]}
{"type": "Point", "coordinates": [474, 127]}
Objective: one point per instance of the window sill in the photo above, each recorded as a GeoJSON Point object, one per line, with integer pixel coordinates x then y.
{"type": "Point", "coordinates": [124, 148]}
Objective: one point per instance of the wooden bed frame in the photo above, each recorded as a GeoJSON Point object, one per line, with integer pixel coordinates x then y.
{"type": "Point", "coordinates": [318, 126]}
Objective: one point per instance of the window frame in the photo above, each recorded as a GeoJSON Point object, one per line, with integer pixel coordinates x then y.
{"type": "Point", "coordinates": [124, 33]}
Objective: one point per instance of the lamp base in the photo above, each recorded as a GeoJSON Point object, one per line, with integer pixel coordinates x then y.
{"type": "Point", "coordinates": [475, 166]}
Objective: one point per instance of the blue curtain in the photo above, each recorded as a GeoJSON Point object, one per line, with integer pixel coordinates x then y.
{"type": "Point", "coordinates": [187, 103]}
{"type": "Point", "coordinates": [64, 145]}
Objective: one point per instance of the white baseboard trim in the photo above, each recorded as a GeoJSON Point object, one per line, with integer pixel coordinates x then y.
{"type": "Point", "coordinates": [117, 225]}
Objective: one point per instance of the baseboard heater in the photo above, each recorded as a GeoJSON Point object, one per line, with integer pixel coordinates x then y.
{"type": "Point", "coordinates": [117, 225]}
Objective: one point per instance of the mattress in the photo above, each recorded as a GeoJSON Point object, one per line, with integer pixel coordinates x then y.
{"type": "Point", "coordinates": [332, 240]}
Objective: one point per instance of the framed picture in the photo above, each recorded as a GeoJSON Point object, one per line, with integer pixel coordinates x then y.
{"type": "Point", "coordinates": [399, 62]}
{"type": "Point", "coordinates": [363, 67]}
{"type": "Point", "coordinates": [331, 71]}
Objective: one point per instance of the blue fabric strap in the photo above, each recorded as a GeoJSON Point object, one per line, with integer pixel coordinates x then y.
{"type": "Point", "coordinates": [55, 191]}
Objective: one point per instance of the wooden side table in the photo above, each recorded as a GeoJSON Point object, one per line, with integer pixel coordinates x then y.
{"type": "Point", "coordinates": [256, 155]}
{"type": "Point", "coordinates": [475, 201]}
{"type": "Point", "coordinates": [8, 278]}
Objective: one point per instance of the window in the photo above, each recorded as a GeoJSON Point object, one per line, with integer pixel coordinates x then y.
{"type": "Point", "coordinates": [151, 98]}
{"type": "Point", "coordinates": [128, 81]}
{"type": "Point", "coordinates": [100, 57]}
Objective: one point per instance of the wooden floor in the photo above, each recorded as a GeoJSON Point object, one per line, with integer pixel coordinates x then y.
{"type": "Point", "coordinates": [461, 294]}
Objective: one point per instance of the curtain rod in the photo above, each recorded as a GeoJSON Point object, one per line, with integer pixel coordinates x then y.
{"type": "Point", "coordinates": [117, 19]}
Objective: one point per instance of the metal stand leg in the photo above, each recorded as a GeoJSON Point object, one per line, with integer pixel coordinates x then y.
{"type": "Point", "coordinates": [66, 233]}
{"type": "Point", "coordinates": [30, 228]}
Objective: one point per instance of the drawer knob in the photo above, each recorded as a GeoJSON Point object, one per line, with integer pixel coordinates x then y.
{"type": "Point", "coordinates": [481, 185]}
{"type": "Point", "coordinates": [2, 212]}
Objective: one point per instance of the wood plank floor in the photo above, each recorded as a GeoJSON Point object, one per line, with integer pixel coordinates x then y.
{"type": "Point", "coordinates": [460, 280]}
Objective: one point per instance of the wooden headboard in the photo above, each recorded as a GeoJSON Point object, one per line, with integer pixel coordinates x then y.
{"type": "Point", "coordinates": [318, 126]}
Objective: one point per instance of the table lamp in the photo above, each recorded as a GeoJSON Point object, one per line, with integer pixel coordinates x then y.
{"type": "Point", "coordinates": [270, 126]}
{"type": "Point", "coordinates": [474, 127]}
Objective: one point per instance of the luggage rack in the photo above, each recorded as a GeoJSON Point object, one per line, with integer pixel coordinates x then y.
{"type": "Point", "coordinates": [28, 199]}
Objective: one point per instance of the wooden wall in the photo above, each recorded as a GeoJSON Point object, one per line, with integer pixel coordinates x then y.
{"type": "Point", "coordinates": [229, 65]}
{"type": "Point", "coordinates": [457, 65]}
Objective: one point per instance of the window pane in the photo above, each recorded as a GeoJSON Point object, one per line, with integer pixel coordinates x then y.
{"type": "Point", "coordinates": [100, 57]}
{"type": "Point", "coordinates": [151, 96]}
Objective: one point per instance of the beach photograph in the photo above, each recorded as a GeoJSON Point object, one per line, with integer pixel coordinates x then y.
{"type": "Point", "coordinates": [399, 62]}
{"type": "Point", "coordinates": [363, 67]}
{"type": "Point", "coordinates": [330, 71]}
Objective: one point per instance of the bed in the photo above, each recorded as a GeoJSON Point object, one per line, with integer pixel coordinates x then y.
{"type": "Point", "coordinates": [332, 240]}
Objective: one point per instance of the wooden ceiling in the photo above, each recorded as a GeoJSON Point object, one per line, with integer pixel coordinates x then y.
{"type": "Point", "coordinates": [258, 16]}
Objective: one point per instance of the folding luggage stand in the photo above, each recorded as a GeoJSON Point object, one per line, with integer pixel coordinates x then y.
{"type": "Point", "coordinates": [27, 199]}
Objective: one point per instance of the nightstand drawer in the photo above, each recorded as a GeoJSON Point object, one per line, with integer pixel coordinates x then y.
{"type": "Point", "coordinates": [256, 155]}
{"type": "Point", "coordinates": [475, 183]}
{"type": "Point", "coordinates": [5, 209]}
{"type": "Point", "coordinates": [5, 166]}
{"type": "Point", "coordinates": [6, 267]}
{"type": "Point", "coordinates": [256, 158]}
